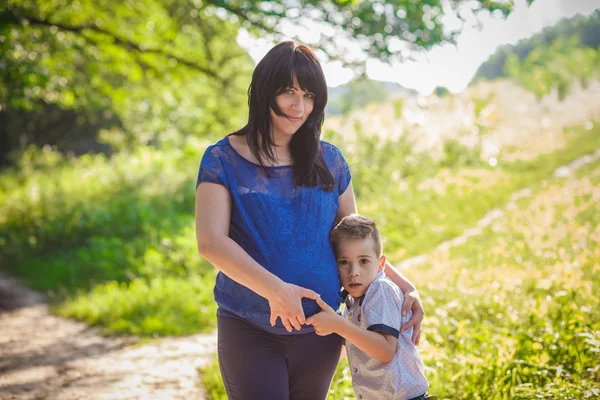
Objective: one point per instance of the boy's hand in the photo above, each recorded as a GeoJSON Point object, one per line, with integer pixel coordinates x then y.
{"type": "Point", "coordinates": [327, 321]}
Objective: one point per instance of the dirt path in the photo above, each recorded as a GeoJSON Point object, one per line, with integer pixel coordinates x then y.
{"type": "Point", "coordinates": [47, 357]}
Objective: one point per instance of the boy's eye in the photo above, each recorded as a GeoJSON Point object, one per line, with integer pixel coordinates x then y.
{"type": "Point", "coordinates": [364, 261]}
{"type": "Point", "coordinates": [342, 262]}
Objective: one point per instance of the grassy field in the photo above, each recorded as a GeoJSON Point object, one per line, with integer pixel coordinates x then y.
{"type": "Point", "coordinates": [512, 313]}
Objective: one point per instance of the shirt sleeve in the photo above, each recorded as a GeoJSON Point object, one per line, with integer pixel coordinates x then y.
{"type": "Point", "coordinates": [382, 308]}
{"type": "Point", "coordinates": [211, 168]}
{"type": "Point", "coordinates": [339, 167]}
{"type": "Point", "coordinates": [344, 176]}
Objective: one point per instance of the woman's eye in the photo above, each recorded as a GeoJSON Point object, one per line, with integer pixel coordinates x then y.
{"type": "Point", "coordinates": [288, 91]}
{"type": "Point", "coordinates": [309, 96]}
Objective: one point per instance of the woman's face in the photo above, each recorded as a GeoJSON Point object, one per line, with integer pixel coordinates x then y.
{"type": "Point", "coordinates": [297, 105]}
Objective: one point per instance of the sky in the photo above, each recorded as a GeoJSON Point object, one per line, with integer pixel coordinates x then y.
{"type": "Point", "coordinates": [451, 66]}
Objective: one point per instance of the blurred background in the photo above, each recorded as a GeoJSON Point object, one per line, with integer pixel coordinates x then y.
{"type": "Point", "coordinates": [472, 133]}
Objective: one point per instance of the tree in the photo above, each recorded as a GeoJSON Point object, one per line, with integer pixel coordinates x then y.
{"type": "Point", "coordinates": [148, 62]}
{"type": "Point", "coordinates": [554, 67]}
{"type": "Point", "coordinates": [163, 66]}
{"type": "Point", "coordinates": [441, 91]}
{"type": "Point", "coordinates": [586, 29]}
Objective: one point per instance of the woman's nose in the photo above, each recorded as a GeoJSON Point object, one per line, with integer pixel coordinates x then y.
{"type": "Point", "coordinates": [298, 103]}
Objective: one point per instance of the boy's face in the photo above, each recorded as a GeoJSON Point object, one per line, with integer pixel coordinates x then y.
{"type": "Point", "coordinates": [358, 264]}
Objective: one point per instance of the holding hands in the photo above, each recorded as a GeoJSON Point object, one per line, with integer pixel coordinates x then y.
{"type": "Point", "coordinates": [286, 303]}
{"type": "Point", "coordinates": [327, 321]}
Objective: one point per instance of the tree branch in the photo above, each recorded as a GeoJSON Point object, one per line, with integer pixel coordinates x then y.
{"type": "Point", "coordinates": [9, 17]}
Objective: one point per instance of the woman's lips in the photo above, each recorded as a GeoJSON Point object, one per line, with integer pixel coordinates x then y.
{"type": "Point", "coordinates": [294, 119]}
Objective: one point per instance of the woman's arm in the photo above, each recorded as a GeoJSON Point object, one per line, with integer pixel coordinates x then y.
{"type": "Point", "coordinates": [347, 206]}
{"type": "Point", "coordinates": [403, 283]}
{"type": "Point", "coordinates": [412, 301]}
{"type": "Point", "coordinates": [213, 214]}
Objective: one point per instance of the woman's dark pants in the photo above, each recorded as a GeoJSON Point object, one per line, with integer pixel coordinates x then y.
{"type": "Point", "coordinates": [258, 365]}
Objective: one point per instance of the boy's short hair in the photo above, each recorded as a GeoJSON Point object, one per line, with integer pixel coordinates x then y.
{"type": "Point", "coordinates": [356, 226]}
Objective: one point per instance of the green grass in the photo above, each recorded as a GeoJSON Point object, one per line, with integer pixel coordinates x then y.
{"type": "Point", "coordinates": [111, 241]}
{"type": "Point", "coordinates": [165, 305]}
{"type": "Point", "coordinates": [513, 313]}
{"type": "Point", "coordinates": [211, 380]}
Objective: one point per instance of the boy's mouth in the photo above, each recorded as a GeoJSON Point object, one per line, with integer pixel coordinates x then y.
{"type": "Point", "coordinates": [354, 285]}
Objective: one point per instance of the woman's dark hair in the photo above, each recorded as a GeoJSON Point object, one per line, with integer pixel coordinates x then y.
{"type": "Point", "coordinates": [273, 74]}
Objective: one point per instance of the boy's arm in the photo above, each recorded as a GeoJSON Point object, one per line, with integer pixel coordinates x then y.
{"type": "Point", "coordinates": [381, 346]}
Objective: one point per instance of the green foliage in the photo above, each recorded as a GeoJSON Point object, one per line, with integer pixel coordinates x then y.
{"type": "Point", "coordinates": [100, 234]}
{"type": "Point", "coordinates": [441, 91]}
{"type": "Point", "coordinates": [456, 153]}
{"type": "Point", "coordinates": [398, 107]}
{"type": "Point", "coordinates": [211, 380]}
{"type": "Point", "coordinates": [556, 66]}
{"type": "Point", "coordinates": [150, 70]}
{"type": "Point", "coordinates": [586, 29]}
{"type": "Point", "coordinates": [164, 305]}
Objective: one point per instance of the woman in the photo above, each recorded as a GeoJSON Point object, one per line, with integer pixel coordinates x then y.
{"type": "Point", "coordinates": [266, 199]}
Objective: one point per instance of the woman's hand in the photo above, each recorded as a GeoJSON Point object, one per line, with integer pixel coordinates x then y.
{"type": "Point", "coordinates": [286, 303]}
{"type": "Point", "coordinates": [413, 302]}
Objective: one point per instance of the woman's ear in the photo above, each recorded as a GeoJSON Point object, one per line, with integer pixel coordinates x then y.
{"type": "Point", "coordinates": [382, 261]}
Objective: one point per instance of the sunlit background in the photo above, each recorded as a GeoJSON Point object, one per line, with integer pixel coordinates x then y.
{"type": "Point", "coordinates": [479, 160]}
{"type": "Point", "coordinates": [447, 65]}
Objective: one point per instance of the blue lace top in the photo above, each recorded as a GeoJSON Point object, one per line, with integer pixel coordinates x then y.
{"type": "Point", "coordinates": [284, 228]}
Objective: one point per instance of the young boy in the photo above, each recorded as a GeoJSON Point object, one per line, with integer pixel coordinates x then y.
{"type": "Point", "coordinates": [384, 363]}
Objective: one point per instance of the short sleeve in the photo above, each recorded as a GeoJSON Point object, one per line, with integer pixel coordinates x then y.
{"type": "Point", "coordinates": [211, 167]}
{"type": "Point", "coordinates": [382, 308]}
{"type": "Point", "coordinates": [344, 177]}
{"type": "Point", "coordinates": [339, 167]}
